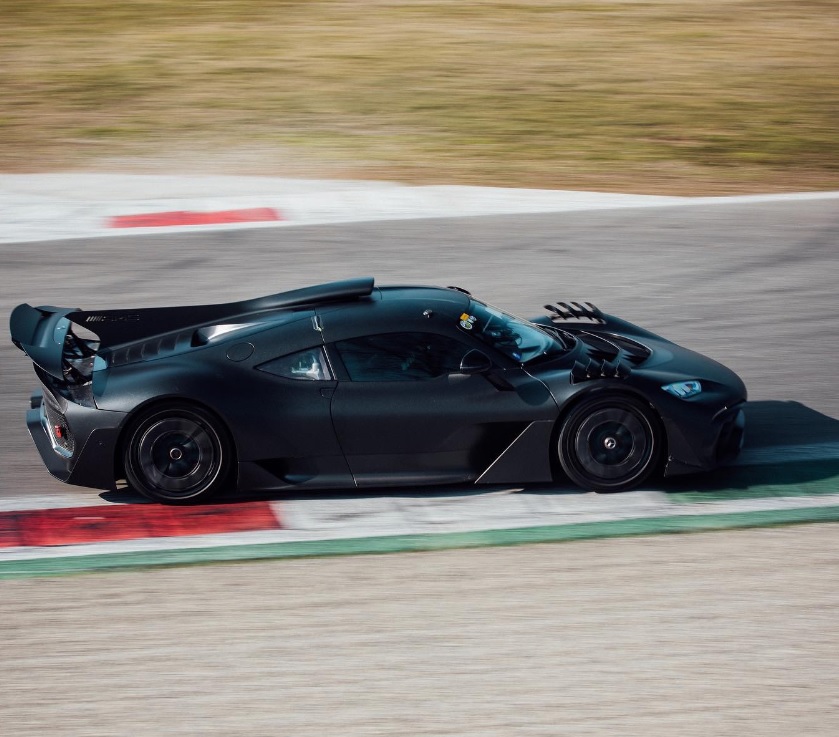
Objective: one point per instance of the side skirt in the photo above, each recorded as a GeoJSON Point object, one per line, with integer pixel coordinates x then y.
{"type": "Point", "coordinates": [526, 460]}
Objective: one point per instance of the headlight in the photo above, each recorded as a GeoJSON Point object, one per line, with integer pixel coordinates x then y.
{"type": "Point", "coordinates": [683, 389]}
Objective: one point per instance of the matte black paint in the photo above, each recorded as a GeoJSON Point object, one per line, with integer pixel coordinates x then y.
{"type": "Point", "coordinates": [498, 426]}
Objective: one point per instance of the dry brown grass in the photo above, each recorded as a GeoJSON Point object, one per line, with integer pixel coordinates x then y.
{"type": "Point", "coordinates": [661, 96]}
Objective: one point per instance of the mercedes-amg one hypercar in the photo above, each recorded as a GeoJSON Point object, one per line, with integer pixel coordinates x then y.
{"type": "Point", "coordinates": [354, 385]}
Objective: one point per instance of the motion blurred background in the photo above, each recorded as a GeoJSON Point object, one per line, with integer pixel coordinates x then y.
{"type": "Point", "coordinates": [723, 634]}
{"type": "Point", "coordinates": [664, 96]}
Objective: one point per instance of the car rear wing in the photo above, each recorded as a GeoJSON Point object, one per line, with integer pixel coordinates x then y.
{"type": "Point", "coordinates": [40, 332]}
{"type": "Point", "coordinates": [46, 333]}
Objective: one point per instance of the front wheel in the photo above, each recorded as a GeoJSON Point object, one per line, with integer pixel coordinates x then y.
{"type": "Point", "coordinates": [609, 444]}
{"type": "Point", "coordinates": [177, 454]}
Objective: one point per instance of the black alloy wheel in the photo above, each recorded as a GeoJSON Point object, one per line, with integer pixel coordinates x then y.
{"type": "Point", "coordinates": [177, 454]}
{"type": "Point", "coordinates": [609, 443]}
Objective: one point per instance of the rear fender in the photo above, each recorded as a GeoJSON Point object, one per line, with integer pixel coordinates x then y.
{"type": "Point", "coordinates": [118, 450]}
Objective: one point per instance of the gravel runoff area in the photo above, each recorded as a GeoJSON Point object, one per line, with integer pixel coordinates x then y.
{"type": "Point", "coordinates": [725, 633]}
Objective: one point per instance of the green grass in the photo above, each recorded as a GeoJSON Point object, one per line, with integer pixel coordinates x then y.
{"type": "Point", "coordinates": [660, 96]}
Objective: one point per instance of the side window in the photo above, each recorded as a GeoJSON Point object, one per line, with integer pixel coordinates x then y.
{"type": "Point", "coordinates": [401, 356]}
{"type": "Point", "coordinates": [308, 365]}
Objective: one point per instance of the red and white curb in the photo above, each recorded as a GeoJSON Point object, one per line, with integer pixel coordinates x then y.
{"type": "Point", "coordinates": [98, 529]}
{"type": "Point", "coordinates": [100, 523]}
{"type": "Point", "coordinates": [73, 205]}
{"type": "Point", "coordinates": [73, 523]}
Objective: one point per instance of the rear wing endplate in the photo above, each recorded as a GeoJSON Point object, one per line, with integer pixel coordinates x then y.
{"type": "Point", "coordinates": [40, 332]}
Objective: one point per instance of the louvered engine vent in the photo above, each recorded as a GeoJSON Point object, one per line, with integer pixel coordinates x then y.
{"type": "Point", "coordinates": [565, 311]}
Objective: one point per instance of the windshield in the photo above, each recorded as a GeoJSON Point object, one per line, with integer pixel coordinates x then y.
{"type": "Point", "coordinates": [515, 338]}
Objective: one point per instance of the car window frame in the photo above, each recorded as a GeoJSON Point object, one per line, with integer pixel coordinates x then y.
{"type": "Point", "coordinates": [343, 374]}
{"type": "Point", "coordinates": [325, 362]}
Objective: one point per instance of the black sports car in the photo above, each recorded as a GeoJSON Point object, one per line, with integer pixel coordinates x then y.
{"type": "Point", "coordinates": [347, 384]}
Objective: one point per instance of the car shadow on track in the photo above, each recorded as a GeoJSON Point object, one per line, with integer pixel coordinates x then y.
{"type": "Point", "coordinates": [778, 423]}
{"type": "Point", "coordinates": [791, 450]}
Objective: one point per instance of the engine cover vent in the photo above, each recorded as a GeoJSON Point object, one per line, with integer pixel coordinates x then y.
{"type": "Point", "coordinates": [565, 311]}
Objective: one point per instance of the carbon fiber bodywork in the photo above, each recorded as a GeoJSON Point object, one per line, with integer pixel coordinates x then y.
{"type": "Point", "coordinates": [493, 420]}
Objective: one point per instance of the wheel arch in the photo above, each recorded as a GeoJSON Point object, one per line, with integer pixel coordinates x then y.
{"type": "Point", "coordinates": [167, 401]}
{"type": "Point", "coordinates": [598, 392]}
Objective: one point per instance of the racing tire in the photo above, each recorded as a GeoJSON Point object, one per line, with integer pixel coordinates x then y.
{"type": "Point", "coordinates": [177, 454]}
{"type": "Point", "coordinates": [609, 444]}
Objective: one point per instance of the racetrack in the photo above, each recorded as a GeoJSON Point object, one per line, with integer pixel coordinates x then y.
{"type": "Point", "coordinates": [719, 633]}
{"type": "Point", "coordinates": [752, 285]}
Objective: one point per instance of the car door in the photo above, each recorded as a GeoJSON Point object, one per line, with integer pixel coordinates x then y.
{"type": "Point", "coordinates": [404, 414]}
{"type": "Point", "coordinates": [279, 399]}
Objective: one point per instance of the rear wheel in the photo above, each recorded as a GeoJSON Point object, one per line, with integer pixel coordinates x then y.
{"type": "Point", "coordinates": [177, 454]}
{"type": "Point", "coordinates": [609, 444]}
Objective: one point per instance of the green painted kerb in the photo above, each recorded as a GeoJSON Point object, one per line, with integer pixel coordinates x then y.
{"type": "Point", "coordinates": [405, 543]}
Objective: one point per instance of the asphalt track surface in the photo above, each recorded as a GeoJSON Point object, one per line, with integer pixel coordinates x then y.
{"type": "Point", "coordinates": [752, 285]}
{"type": "Point", "coordinates": [720, 633]}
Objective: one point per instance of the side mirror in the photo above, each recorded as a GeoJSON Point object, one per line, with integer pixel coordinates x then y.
{"type": "Point", "coordinates": [475, 362]}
